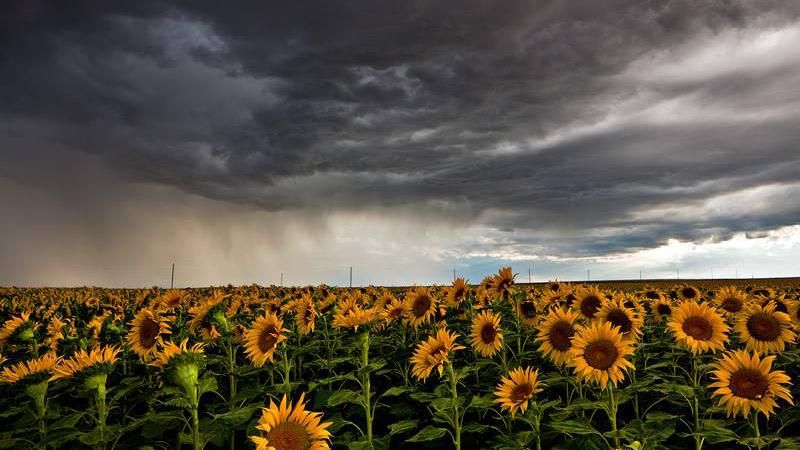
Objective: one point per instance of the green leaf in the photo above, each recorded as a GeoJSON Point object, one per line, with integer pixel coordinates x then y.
{"type": "Point", "coordinates": [207, 384]}
{"type": "Point", "coordinates": [344, 396]}
{"type": "Point", "coordinates": [395, 391]}
{"type": "Point", "coordinates": [482, 402]}
{"type": "Point", "coordinates": [574, 426]}
{"type": "Point", "coordinates": [403, 426]}
{"type": "Point", "coordinates": [474, 428]}
{"type": "Point", "coordinates": [428, 433]}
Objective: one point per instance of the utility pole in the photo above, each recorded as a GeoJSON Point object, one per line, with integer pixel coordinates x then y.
{"type": "Point", "coordinates": [640, 275]}
{"type": "Point", "coordinates": [172, 278]}
{"type": "Point", "coordinates": [588, 276]}
{"type": "Point", "coordinates": [737, 273]}
{"type": "Point", "coordinates": [530, 278]}
{"type": "Point", "coordinates": [351, 276]}
{"type": "Point", "coordinates": [281, 278]}
{"type": "Point", "coordinates": [679, 273]}
{"type": "Point", "coordinates": [454, 274]}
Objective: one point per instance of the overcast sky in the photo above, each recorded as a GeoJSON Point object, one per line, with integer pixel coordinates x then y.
{"type": "Point", "coordinates": [403, 138]}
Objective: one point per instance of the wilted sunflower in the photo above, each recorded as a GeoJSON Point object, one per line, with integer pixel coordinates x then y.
{"type": "Point", "coordinates": [689, 293]}
{"type": "Point", "coordinates": [147, 330]}
{"type": "Point", "coordinates": [41, 367]}
{"type": "Point", "coordinates": [420, 306]}
{"type": "Point", "coordinates": [589, 300]}
{"type": "Point", "coordinates": [763, 329]}
{"type": "Point", "coordinates": [730, 300]}
{"type": "Point", "coordinates": [100, 359]}
{"type": "Point", "coordinates": [555, 334]}
{"type": "Point", "coordinates": [501, 284]}
{"type": "Point", "coordinates": [515, 391]}
{"type": "Point", "coordinates": [433, 353]}
{"type": "Point", "coordinates": [744, 382]}
{"type": "Point", "coordinates": [262, 339]}
{"type": "Point", "coordinates": [486, 336]}
{"type": "Point", "coordinates": [13, 327]}
{"type": "Point", "coordinates": [628, 320]}
{"type": "Point", "coordinates": [457, 292]}
{"type": "Point", "coordinates": [698, 327]}
{"type": "Point", "coordinates": [598, 354]}
{"type": "Point", "coordinates": [291, 427]}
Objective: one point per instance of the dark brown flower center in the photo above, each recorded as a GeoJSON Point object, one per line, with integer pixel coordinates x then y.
{"type": "Point", "coordinates": [601, 354]}
{"type": "Point", "coordinates": [528, 309]}
{"type": "Point", "coordinates": [749, 383]}
{"type": "Point", "coordinates": [652, 295]}
{"type": "Point", "coordinates": [422, 304]}
{"type": "Point", "coordinates": [268, 339]}
{"type": "Point", "coordinates": [732, 304]}
{"type": "Point", "coordinates": [288, 436]}
{"type": "Point", "coordinates": [570, 299]}
{"type": "Point", "coordinates": [663, 310]}
{"type": "Point", "coordinates": [698, 327]}
{"type": "Point", "coordinates": [780, 306]}
{"type": "Point", "coordinates": [763, 326]}
{"type": "Point", "coordinates": [459, 293]}
{"type": "Point", "coordinates": [148, 332]}
{"type": "Point", "coordinates": [688, 292]}
{"type": "Point", "coordinates": [488, 333]}
{"type": "Point", "coordinates": [620, 319]}
{"type": "Point", "coordinates": [559, 335]}
{"type": "Point", "coordinates": [521, 393]}
{"type": "Point", "coordinates": [763, 292]}
{"type": "Point", "coordinates": [590, 305]}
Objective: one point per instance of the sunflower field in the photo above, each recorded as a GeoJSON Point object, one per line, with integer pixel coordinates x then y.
{"type": "Point", "coordinates": [495, 365]}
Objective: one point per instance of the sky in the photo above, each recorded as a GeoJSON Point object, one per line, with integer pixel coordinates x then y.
{"type": "Point", "coordinates": [407, 140]}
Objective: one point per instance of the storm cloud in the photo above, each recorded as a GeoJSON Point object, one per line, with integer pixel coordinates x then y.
{"type": "Point", "coordinates": [482, 132]}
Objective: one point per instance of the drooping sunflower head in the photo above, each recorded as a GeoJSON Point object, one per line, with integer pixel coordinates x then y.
{"type": "Point", "coordinates": [628, 320]}
{"type": "Point", "coordinates": [32, 371]}
{"type": "Point", "coordinates": [17, 328]}
{"type": "Point", "coordinates": [555, 334]}
{"type": "Point", "coordinates": [262, 338]}
{"type": "Point", "coordinates": [698, 327]}
{"type": "Point", "coordinates": [420, 305]}
{"type": "Point", "coordinates": [730, 300]}
{"type": "Point", "coordinates": [433, 353]}
{"type": "Point", "coordinates": [598, 354]}
{"type": "Point", "coordinates": [83, 364]}
{"type": "Point", "coordinates": [765, 330]}
{"type": "Point", "coordinates": [208, 317]}
{"type": "Point", "coordinates": [291, 427]}
{"type": "Point", "coordinates": [486, 336]}
{"type": "Point", "coordinates": [588, 302]}
{"type": "Point", "coordinates": [515, 391]}
{"type": "Point", "coordinates": [148, 329]}
{"type": "Point", "coordinates": [744, 381]}
{"type": "Point", "coordinates": [502, 283]}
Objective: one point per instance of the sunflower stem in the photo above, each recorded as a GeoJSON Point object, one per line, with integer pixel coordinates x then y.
{"type": "Point", "coordinates": [698, 440]}
{"type": "Point", "coordinates": [454, 395]}
{"type": "Point", "coordinates": [365, 383]}
{"type": "Point", "coordinates": [612, 414]}
{"type": "Point", "coordinates": [756, 430]}
{"type": "Point", "coordinates": [231, 384]}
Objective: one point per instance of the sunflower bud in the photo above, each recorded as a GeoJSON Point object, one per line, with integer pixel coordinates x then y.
{"type": "Point", "coordinates": [220, 319]}
{"type": "Point", "coordinates": [26, 335]}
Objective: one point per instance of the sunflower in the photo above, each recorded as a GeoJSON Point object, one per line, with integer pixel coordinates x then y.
{"type": "Point", "coordinates": [555, 334]}
{"type": "Point", "coordinates": [486, 336]}
{"type": "Point", "coordinates": [730, 300]}
{"type": "Point", "coordinates": [515, 390]}
{"type": "Point", "coordinates": [500, 285]}
{"type": "Point", "coordinates": [598, 354]}
{"type": "Point", "coordinates": [698, 326]}
{"type": "Point", "coordinates": [306, 316]}
{"type": "Point", "coordinates": [420, 306]}
{"type": "Point", "coordinates": [782, 304]}
{"type": "Point", "coordinates": [172, 352]}
{"type": "Point", "coordinates": [393, 310]}
{"type": "Point", "coordinates": [689, 293]}
{"type": "Point", "coordinates": [528, 310]}
{"type": "Point", "coordinates": [13, 327]}
{"type": "Point", "coordinates": [147, 330]}
{"type": "Point", "coordinates": [589, 300]}
{"type": "Point", "coordinates": [55, 333]}
{"type": "Point", "coordinates": [555, 298]}
{"type": "Point", "coordinates": [763, 329]}
{"type": "Point", "coordinates": [457, 292]}
{"type": "Point", "coordinates": [262, 339]}
{"type": "Point", "coordinates": [100, 359]}
{"type": "Point", "coordinates": [628, 320]}
{"type": "Point", "coordinates": [291, 427]}
{"type": "Point", "coordinates": [207, 315]}
{"type": "Point", "coordinates": [433, 353]}
{"type": "Point", "coordinates": [173, 298]}
{"type": "Point", "coordinates": [653, 295]}
{"type": "Point", "coordinates": [354, 317]}
{"type": "Point", "coordinates": [41, 367]}
{"type": "Point", "coordinates": [795, 314]}
{"type": "Point", "coordinates": [744, 381]}
{"type": "Point", "coordinates": [662, 308]}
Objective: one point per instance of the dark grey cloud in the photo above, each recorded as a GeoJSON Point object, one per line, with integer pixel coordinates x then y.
{"type": "Point", "coordinates": [577, 129]}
